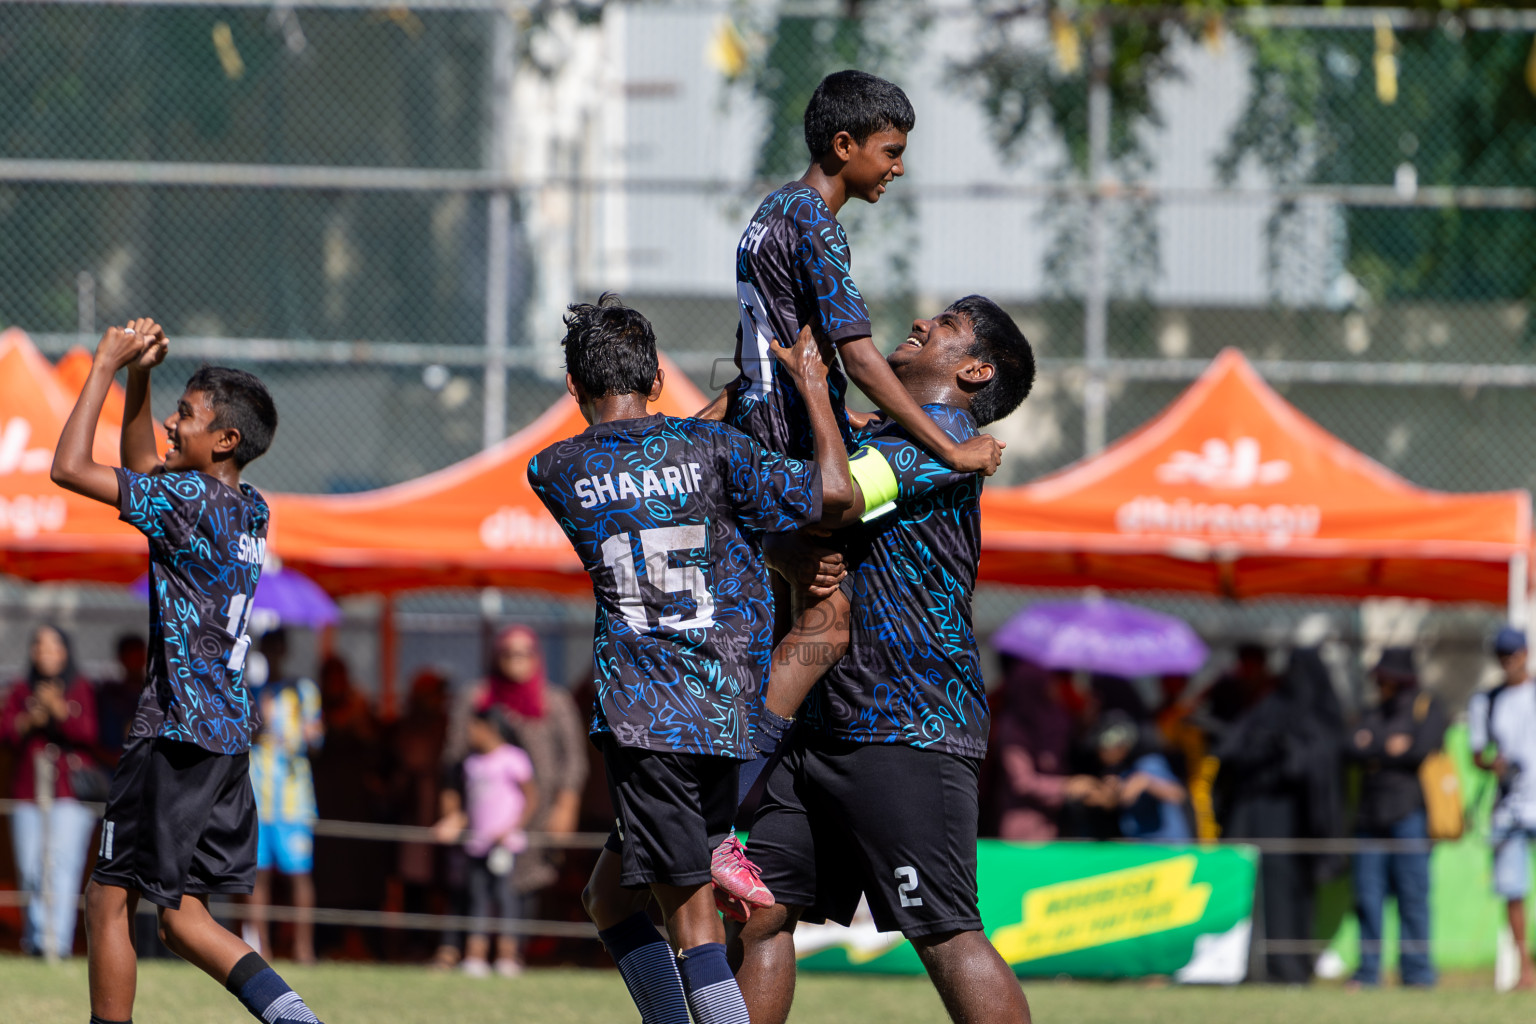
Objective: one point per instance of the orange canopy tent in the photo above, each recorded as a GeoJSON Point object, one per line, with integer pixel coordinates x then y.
{"type": "Point", "coordinates": [474, 524]}
{"type": "Point", "coordinates": [46, 532]}
{"type": "Point", "coordinates": [1232, 491]}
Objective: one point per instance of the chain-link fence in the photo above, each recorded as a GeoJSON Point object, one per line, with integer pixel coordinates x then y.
{"type": "Point", "coordinates": [387, 207]}
{"type": "Point", "coordinates": [384, 209]}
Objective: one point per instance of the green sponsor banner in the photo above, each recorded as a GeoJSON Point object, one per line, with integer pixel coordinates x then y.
{"type": "Point", "coordinates": [1089, 910]}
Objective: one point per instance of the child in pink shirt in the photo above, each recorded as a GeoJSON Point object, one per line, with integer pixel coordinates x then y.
{"type": "Point", "coordinates": [499, 799]}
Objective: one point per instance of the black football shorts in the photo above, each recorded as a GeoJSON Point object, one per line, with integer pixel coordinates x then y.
{"type": "Point", "coordinates": [179, 819]}
{"type": "Point", "coordinates": [672, 810]}
{"type": "Point", "coordinates": [886, 821]}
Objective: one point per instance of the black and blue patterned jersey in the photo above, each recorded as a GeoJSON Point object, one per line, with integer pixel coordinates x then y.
{"type": "Point", "coordinates": [667, 516]}
{"type": "Point", "coordinates": [792, 269]}
{"type": "Point", "coordinates": [206, 545]}
{"type": "Point", "coordinates": [912, 673]}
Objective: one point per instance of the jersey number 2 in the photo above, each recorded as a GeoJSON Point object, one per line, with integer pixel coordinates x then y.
{"type": "Point", "coordinates": [657, 545]}
{"type": "Point", "coordinates": [239, 616]}
{"type": "Point", "coordinates": [907, 876]}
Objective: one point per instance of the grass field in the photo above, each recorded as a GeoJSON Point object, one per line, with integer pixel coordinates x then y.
{"type": "Point", "coordinates": [34, 993]}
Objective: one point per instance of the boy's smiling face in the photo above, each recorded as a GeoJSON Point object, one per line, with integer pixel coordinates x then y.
{"type": "Point", "coordinates": [937, 354]}
{"type": "Point", "coordinates": [933, 347]}
{"type": "Point", "coordinates": [871, 165]}
{"type": "Point", "coordinates": [195, 442]}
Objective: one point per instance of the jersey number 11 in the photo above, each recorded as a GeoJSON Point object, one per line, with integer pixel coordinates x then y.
{"type": "Point", "coordinates": [239, 618]}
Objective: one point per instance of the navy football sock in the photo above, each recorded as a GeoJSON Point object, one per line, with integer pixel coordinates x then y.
{"type": "Point", "coordinates": [102, 1020]}
{"type": "Point", "coordinates": [768, 731]}
{"type": "Point", "coordinates": [266, 995]}
{"type": "Point", "coordinates": [713, 996]}
{"type": "Point", "coordinates": [648, 968]}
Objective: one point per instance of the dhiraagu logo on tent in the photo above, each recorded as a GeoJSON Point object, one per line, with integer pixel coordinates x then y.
{"type": "Point", "coordinates": [1235, 466]}
{"type": "Point", "coordinates": [1101, 909]}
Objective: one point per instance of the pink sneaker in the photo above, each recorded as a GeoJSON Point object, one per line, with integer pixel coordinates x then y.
{"type": "Point", "coordinates": [739, 889]}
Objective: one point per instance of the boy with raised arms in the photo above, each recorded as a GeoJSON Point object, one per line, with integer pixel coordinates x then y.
{"type": "Point", "coordinates": [180, 822]}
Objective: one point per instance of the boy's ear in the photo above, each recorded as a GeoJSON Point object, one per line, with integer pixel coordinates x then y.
{"type": "Point", "coordinates": [843, 146]}
{"type": "Point", "coordinates": [976, 373]}
{"type": "Point", "coordinates": [571, 389]}
{"type": "Point", "coordinates": [226, 441]}
{"type": "Point", "coordinates": [656, 385]}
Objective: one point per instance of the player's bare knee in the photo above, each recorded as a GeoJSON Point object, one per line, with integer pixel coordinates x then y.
{"type": "Point", "coordinates": [592, 903]}
{"type": "Point", "coordinates": [606, 907]}
{"type": "Point", "coordinates": [104, 902]}
{"type": "Point", "coordinates": [97, 908]}
{"type": "Point", "coordinates": [172, 930]}
{"type": "Point", "coordinates": [768, 923]}
{"type": "Point", "coordinates": [945, 951]}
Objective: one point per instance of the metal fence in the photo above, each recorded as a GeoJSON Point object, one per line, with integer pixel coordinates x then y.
{"type": "Point", "coordinates": [230, 909]}
{"type": "Point", "coordinates": [385, 208]}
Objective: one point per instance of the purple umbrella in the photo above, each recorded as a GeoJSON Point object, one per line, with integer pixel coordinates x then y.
{"type": "Point", "coordinates": [1099, 635]}
{"type": "Point", "coordinates": [283, 597]}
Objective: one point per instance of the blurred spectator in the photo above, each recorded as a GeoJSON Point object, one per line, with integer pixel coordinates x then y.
{"type": "Point", "coordinates": [49, 717]}
{"type": "Point", "coordinates": [1279, 779]}
{"type": "Point", "coordinates": [1034, 740]}
{"type": "Point", "coordinates": [1184, 737]}
{"type": "Point", "coordinates": [1501, 728]}
{"type": "Point", "coordinates": [492, 808]}
{"type": "Point", "coordinates": [291, 730]}
{"type": "Point", "coordinates": [343, 709]}
{"type": "Point", "coordinates": [415, 780]}
{"type": "Point", "coordinates": [1392, 740]}
{"type": "Point", "coordinates": [349, 773]}
{"type": "Point", "coordinates": [1246, 684]}
{"type": "Point", "coordinates": [1139, 783]}
{"type": "Point", "coordinates": [117, 699]}
{"type": "Point", "coordinates": [1181, 737]}
{"type": "Point", "coordinates": [546, 723]}
{"type": "Point", "coordinates": [1112, 693]}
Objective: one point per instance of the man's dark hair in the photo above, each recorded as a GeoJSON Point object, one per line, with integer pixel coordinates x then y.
{"type": "Point", "coordinates": [240, 401]}
{"type": "Point", "coordinates": [855, 102]}
{"type": "Point", "coordinates": [610, 348]}
{"type": "Point", "coordinates": [998, 340]}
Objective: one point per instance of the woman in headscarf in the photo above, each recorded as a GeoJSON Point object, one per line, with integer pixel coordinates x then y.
{"type": "Point", "coordinates": [1280, 779]}
{"type": "Point", "coordinates": [49, 718]}
{"type": "Point", "coordinates": [548, 727]}
{"type": "Point", "coordinates": [1033, 734]}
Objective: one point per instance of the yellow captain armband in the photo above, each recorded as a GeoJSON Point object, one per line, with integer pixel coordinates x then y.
{"type": "Point", "coordinates": [876, 480]}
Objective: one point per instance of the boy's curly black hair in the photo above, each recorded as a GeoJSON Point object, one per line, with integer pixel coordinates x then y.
{"type": "Point", "coordinates": [998, 340]}
{"type": "Point", "coordinates": [240, 401]}
{"type": "Point", "coordinates": [610, 348]}
{"type": "Point", "coordinates": [855, 102]}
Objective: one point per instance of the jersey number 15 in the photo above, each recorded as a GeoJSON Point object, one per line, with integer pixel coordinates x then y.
{"type": "Point", "coordinates": [657, 545]}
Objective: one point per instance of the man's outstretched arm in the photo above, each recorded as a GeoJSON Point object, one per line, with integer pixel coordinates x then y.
{"type": "Point", "coordinates": [73, 467]}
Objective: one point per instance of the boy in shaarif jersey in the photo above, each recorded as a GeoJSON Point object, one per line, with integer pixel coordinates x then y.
{"type": "Point", "coordinates": [876, 796]}
{"type": "Point", "coordinates": [793, 270]}
{"type": "Point", "coordinates": [181, 818]}
{"type": "Point", "coordinates": [663, 513]}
